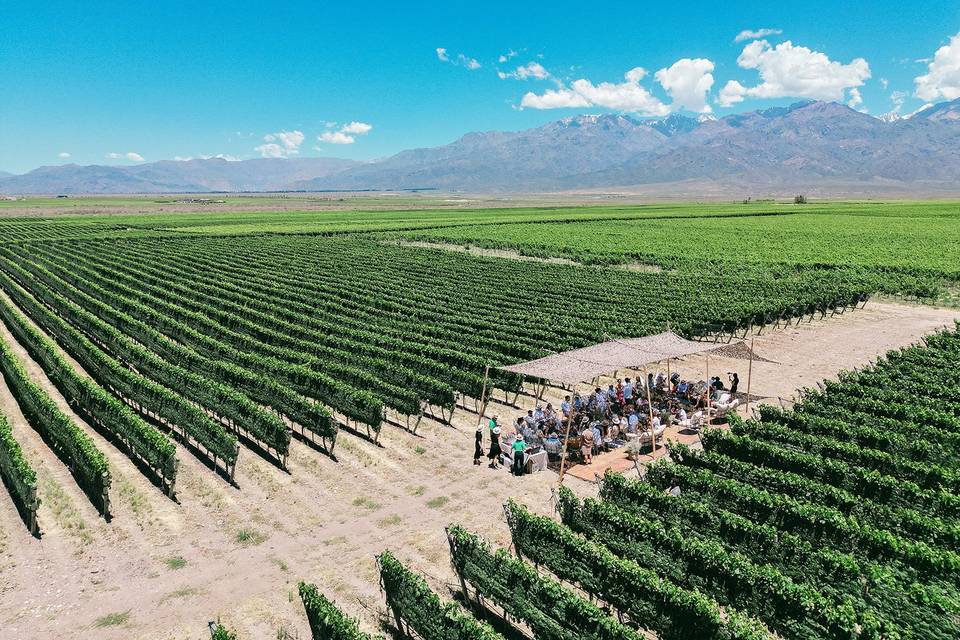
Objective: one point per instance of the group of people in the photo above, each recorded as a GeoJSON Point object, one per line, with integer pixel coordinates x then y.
{"type": "Point", "coordinates": [602, 419]}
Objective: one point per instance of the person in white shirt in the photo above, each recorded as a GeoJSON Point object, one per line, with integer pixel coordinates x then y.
{"type": "Point", "coordinates": [627, 390]}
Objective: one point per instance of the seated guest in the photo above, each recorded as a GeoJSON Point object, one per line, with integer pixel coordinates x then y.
{"type": "Point", "coordinates": [530, 419]}
{"type": "Point", "coordinates": [533, 438]}
{"type": "Point", "coordinates": [549, 414]}
{"type": "Point", "coordinates": [633, 421]}
{"type": "Point", "coordinates": [538, 414]}
{"type": "Point", "coordinates": [617, 428]}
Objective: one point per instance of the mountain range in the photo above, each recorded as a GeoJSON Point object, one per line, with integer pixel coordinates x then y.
{"type": "Point", "coordinates": [806, 147]}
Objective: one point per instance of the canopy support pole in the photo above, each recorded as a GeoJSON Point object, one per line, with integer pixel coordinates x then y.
{"type": "Point", "coordinates": [653, 436]}
{"type": "Point", "coordinates": [709, 391]}
{"type": "Point", "coordinates": [483, 395]}
{"type": "Point", "coordinates": [566, 438]}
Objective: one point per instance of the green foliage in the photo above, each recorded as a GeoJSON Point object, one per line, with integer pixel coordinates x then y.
{"type": "Point", "coordinates": [652, 601]}
{"type": "Point", "coordinates": [16, 471]}
{"type": "Point", "coordinates": [220, 632]}
{"type": "Point", "coordinates": [327, 622]}
{"type": "Point", "coordinates": [66, 438]}
{"type": "Point", "coordinates": [98, 405]}
{"type": "Point", "coordinates": [110, 373]}
{"type": "Point", "coordinates": [551, 610]}
{"type": "Point", "coordinates": [409, 597]}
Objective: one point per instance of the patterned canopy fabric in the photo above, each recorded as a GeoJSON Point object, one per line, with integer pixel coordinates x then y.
{"type": "Point", "coordinates": [579, 365]}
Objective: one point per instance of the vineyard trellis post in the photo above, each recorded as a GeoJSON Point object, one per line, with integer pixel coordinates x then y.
{"type": "Point", "coordinates": [33, 504]}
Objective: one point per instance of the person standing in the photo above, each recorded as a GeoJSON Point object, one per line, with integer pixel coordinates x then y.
{"type": "Point", "coordinates": [478, 448]}
{"type": "Point", "coordinates": [494, 454]}
{"type": "Point", "coordinates": [734, 382]}
{"type": "Point", "coordinates": [519, 458]}
{"type": "Point", "coordinates": [586, 445]}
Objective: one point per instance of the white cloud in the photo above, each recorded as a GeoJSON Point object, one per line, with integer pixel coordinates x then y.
{"type": "Point", "coordinates": [271, 150]}
{"type": "Point", "coordinates": [855, 98]}
{"type": "Point", "coordinates": [898, 98]}
{"type": "Point", "coordinates": [63, 154]}
{"type": "Point", "coordinates": [796, 72]}
{"type": "Point", "coordinates": [529, 70]}
{"type": "Point", "coordinates": [358, 128]}
{"type": "Point", "coordinates": [469, 63]}
{"type": "Point", "coordinates": [129, 155]}
{"type": "Point", "coordinates": [506, 56]}
{"type": "Point", "coordinates": [884, 83]}
{"type": "Point", "coordinates": [621, 96]}
{"type": "Point", "coordinates": [221, 156]}
{"type": "Point", "coordinates": [460, 60]}
{"type": "Point", "coordinates": [554, 99]}
{"type": "Point", "coordinates": [346, 134]}
{"type": "Point", "coordinates": [688, 81]}
{"type": "Point", "coordinates": [748, 34]}
{"type": "Point", "coordinates": [336, 137]}
{"type": "Point", "coordinates": [731, 93]}
{"type": "Point", "coordinates": [281, 144]}
{"type": "Point", "coordinates": [942, 79]}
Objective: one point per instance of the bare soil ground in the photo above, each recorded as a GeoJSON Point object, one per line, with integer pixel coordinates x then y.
{"type": "Point", "coordinates": [161, 569]}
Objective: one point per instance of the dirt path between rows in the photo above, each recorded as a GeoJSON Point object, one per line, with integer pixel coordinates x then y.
{"type": "Point", "coordinates": [162, 569]}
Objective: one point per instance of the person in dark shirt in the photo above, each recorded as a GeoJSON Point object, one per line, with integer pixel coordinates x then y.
{"type": "Point", "coordinates": [478, 448]}
{"type": "Point", "coordinates": [494, 454]}
{"type": "Point", "coordinates": [734, 381]}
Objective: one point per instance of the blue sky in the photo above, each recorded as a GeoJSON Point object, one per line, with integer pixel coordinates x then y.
{"type": "Point", "coordinates": [110, 83]}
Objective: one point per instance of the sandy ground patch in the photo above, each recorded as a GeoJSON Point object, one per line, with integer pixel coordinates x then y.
{"type": "Point", "coordinates": [162, 569]}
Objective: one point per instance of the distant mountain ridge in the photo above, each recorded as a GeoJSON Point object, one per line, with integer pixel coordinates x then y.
{"type": "Point", "coordinates": [801, 147]}
{"type": "Point", "coordinates": [175, 176]}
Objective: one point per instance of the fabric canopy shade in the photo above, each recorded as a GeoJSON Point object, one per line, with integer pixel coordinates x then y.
{"type": "Point", "coordinates": [579, 365]}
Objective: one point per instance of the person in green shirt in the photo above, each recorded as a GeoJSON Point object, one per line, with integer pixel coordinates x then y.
{"type": "Point", "coordinates": [519, 458]}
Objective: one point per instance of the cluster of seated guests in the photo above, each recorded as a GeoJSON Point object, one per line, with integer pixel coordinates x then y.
{"type": "Point", "coordinates": [604, 419]}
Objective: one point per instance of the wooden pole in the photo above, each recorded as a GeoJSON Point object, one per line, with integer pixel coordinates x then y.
{"type": "Point", "coordinates": [669, 387]}
{"type": "Point", "coordinates": [749, 376]}
{"type": "Point", "coordinates": [483, 395]}
{"type": "Point", "coordinates": [708, 389]}
{"type": "Point", "coordinates": [566, 438]}
{"type": "Point", "coordinates": [653, 436]}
